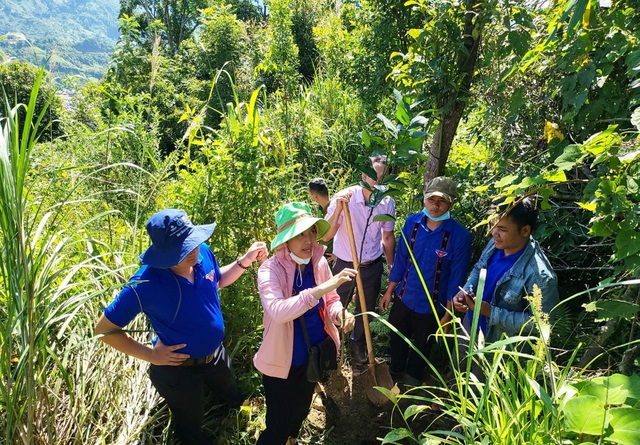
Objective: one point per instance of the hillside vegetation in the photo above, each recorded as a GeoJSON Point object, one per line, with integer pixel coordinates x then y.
{"type": "Point", "coordinates": [75, 36]}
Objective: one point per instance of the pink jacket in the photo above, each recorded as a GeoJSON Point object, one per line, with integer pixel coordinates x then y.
{"type": "Point", "coordinates": [275, 283]}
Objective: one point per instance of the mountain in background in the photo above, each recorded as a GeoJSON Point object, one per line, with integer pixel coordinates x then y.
{"type": "Point", "coordinates": [73, 37]}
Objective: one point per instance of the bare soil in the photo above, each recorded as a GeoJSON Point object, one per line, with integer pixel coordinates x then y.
{"type": "Point", "coordinates": [342, 414]}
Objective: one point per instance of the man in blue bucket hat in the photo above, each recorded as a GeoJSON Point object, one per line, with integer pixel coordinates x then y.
{"type": "Point", "coordinates": [177, 289]}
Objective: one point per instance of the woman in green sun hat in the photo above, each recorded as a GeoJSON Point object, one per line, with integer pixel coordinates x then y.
{"type": "Point", "coordinates": [296, 282]}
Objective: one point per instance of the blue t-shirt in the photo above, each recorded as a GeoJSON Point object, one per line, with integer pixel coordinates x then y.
{"type": "Point", "coordinates": [312, 318]}
{"type": "Point", "coordinates": [498, 265]}
{"type": "Point", "coordinates": [427, 250]}
{"type": "Point", "coordinates": [179, 311]}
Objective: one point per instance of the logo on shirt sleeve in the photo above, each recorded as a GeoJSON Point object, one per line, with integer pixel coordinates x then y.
{"type": "Point", "coordinates": [441, 253]}
{"type": "Point", "coordinates": [211, 275]}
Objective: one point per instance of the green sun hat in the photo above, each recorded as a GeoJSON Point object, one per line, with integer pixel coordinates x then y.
{"type": "Point", "coordinates": [293, 219]}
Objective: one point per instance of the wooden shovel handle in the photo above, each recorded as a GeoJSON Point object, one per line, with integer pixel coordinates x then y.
{"type": "Point", "coordinates": [356, 266]}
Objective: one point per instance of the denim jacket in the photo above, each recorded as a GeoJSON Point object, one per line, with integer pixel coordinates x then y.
{"type": "Point", "coordinates": [509, 309]}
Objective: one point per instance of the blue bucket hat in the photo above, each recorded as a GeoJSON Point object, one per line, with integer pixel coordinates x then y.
{"type": "Point", "coordinates": [173, 237]}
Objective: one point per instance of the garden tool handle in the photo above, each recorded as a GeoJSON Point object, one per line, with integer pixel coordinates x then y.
{"type": "Point", "coordinates": [356, 266]}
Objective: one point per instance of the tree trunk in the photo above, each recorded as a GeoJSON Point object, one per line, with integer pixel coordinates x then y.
{"type": "Point", "coordinates": [442, 141]}
{"type": "Point", "coordinates": [453, 108]}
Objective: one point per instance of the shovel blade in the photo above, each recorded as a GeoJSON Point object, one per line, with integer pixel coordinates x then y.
{"type": "Point", "coordinates": [378, 375]}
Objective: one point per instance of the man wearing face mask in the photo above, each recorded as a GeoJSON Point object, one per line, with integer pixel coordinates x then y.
{"type": "Point", "coordinates": [441, 247]}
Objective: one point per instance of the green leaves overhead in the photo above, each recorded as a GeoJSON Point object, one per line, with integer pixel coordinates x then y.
{"type": "Point", "coordinates": [403, 140]}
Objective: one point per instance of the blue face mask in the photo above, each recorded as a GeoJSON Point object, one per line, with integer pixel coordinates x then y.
{"type": "Point", "coordinates": [438, 218]}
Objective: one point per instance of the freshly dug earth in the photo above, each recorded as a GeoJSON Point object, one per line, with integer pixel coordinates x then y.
{"type": "Point", "coordinates": [341, 414]}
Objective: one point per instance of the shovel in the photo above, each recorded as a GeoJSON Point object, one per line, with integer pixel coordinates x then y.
{"type": "Point", "coordinates": [378, 372]}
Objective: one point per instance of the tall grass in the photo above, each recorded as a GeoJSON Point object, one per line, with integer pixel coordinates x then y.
{"type": "Point", "coordinates": [58, 384]}
{"type": "Point", "coordinates": [27, 273]}
{"type": "Point", "coordinates": [512, 392]}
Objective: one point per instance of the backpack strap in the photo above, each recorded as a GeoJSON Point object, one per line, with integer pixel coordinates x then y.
{"type": "Point", "coordinates": [412, 241]}
{"type": "Point", "coordinates": [438, 275]}
{"type": "Point", "coordinates": [446, 235]}
{"type": "Point", "coordinates": [305, 332]}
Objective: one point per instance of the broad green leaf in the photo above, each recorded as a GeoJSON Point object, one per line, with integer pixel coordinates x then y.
{"type": "Point", "coordinates": [633, 61]}
{"type": "Point", "coordinates": [605, 392]}
{"type": "Point", "coordinates": [389, 179]}
{"type": "Point", "coordinates": [388, 393]}
{"type": "Point", "coordinates": [418, 121]}
{"type": "Point", "coordinates": [579, 8]}
{"type": "Point", "coordinates": [590, 206]}
{"type": "Point", "coordinates": [626, 426]}
{"type": "Point", "coordinates": [396, 434]}
{"type": "Point", "coordinates": [387, 123]}
{"type": "Point", "coordinates": [414, 33]}
{"type": "Point", "coordinates": [585, 415]}
{"type": "Point", "coordinates": [614, 308]}
{"type": "Point", "coordinates": [367, 170]}
{"type": "Point", "coordinates": [507, 180]}
{"type": "Point", "coordinates": [627, 243]}
{"type": "Point", "coordinates": [383, 217]}
{"type": "Point", "coordinates": [631, 383]}
{"type": "Point", "coordinates": [402, 115]}
{"type": "Point", "coordinates": [413, 410]}
{"type": "Point", "coordinates": [600, 228]}
{"type": "Point", "coordinates": [378, 140]}
{"type": "Point", "coordinates": [519, 41]}
{"type": "Point", "coordinates": [530, 181]}
{"type": "Point", "coordinates": [600, 142]}
{"type": "Point", "coordinates": [571, 156]}
{"type": "Point", "coordinates": [366, 138]}
{"type": "Point", "coordinates": [545, 193]}
{"type": "Point", "coordinates": [556, 176]}
{"type": "Point", "coordinates": [419, 134]}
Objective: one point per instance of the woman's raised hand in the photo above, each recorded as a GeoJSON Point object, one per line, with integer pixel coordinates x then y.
{"type": "Point", "coordinates": [344, 276]}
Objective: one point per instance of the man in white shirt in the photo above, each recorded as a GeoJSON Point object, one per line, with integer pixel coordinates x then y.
{"type": "Point", "coordinates": [373, 239]}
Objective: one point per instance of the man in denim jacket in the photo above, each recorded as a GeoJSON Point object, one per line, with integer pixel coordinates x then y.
{"type": "Point", "coordinates": [514, 263]}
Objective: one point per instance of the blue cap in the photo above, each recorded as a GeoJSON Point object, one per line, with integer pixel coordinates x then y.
{"type": "Point", "coordinates": [173, 237]}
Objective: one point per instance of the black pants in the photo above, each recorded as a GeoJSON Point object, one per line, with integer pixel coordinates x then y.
{"type": "Point", "coordinates": [371, 275]}
{"type": "Point", "coordinates": [288, 402]}
{"type": "Point", "coordinates": [420, 329]}
{"type": "Point", "coordinates": [185, 387]}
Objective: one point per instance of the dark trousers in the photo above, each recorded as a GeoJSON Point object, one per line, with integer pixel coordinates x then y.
{"type": "Point", "coordinates": [420, 329]}
{"type": "Point", "coordinates": [185, 387]}
{"type": "Point", "coordinates": [371, 275]}
{"type": "Point", "coordinates": [288, 402]}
